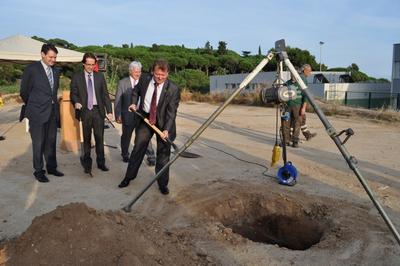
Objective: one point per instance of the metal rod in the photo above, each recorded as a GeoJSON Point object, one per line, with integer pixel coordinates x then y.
{"type": "Point", "coordinates": [349, 159]}
{"type": "Point", "coordinates": [200, 130]}
{"type": "Point", "coordinates": [3, 136]}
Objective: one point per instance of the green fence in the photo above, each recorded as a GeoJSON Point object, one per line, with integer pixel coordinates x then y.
{"type": "Point", "coordinates": [370, 100]}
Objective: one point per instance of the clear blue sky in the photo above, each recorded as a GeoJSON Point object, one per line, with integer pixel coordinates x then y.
{"type": "Point", "coordinates": [362, 32]}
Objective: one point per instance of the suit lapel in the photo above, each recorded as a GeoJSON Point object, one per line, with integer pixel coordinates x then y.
{"type": "Point", "coordinates": [96, 82]}
{"type": "Point", "coordinates": [44, 74]}
{"type": "Point", "coordinates": [84, 87]}
{"type": "Point", "coordinates": [55, 80]}
{"type": "Point", "coordinates": [162, 96]}
{"type": "Point", "coordinates": [128, 84]}
{"type": "Point", "coordinates": [144, 88]}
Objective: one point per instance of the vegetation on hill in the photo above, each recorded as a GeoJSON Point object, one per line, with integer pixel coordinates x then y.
{"type": "Point", "coordinates": [190, 68]}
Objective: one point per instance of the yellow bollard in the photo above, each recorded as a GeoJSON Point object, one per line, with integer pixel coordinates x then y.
{"type": "Point", "coordinates": [69, 125]}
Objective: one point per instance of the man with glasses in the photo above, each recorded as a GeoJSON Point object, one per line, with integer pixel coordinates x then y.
{"type": "Point", "coordinates": [89, 95]}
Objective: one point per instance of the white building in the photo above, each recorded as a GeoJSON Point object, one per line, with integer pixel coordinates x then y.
{"type": "Point", "coordinates": [220, 83]}
{"type": "Point", "coordinates": [331, 86]}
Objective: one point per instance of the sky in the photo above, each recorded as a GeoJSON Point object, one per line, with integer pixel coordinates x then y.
{"type": "Point", "coordinates": [361, 32]}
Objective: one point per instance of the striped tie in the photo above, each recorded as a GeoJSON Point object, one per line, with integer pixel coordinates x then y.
{"type": "Point", "coordinates": [50, 77]}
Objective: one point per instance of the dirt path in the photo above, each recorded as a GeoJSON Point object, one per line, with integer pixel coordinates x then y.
{"type": "Point", "coordinates": [218, 199]}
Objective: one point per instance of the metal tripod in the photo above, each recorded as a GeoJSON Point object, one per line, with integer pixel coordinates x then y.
{"type": "Point", "coordinates": [280, 51]}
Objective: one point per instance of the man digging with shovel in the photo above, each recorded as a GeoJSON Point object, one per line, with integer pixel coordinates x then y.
{"type": "Point", "coordinates": [160, 100]}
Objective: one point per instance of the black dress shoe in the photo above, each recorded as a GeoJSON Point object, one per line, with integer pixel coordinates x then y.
{"type": "Point", "coordinates": [164, 190]}
{"type": "Point", "coordinates": [151, 163]}
{"type": "Point", "coordinates": [125, 159]}
{"type": "Point", "coordinates": [124, 183]}
{"type": "Point", "coordinates": [55, 172]}
{"type": "Point", "coordinates": [87, 170]}
{"type": "Point", "coordinates": [42, 178]}
{"type": "Point", "coordinates": [103, 168]}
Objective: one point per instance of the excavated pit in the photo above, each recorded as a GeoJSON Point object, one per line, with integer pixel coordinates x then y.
{"type": "Point", "coordinates": [296, 233]}
{"type": "Point", "coordinates": [272, 220]}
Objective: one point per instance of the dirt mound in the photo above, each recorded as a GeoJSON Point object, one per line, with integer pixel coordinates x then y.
{"type": "Point", "coordinates": [78, 235]}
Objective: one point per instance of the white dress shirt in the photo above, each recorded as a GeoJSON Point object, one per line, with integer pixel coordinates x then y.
{"type": "Point", "coordinates": [134, 82]}
{"type": "Point", "coordinates": [149, 95]}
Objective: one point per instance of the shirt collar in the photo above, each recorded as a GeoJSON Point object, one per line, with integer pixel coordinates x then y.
{"type": "Point", "coordinates": [133, 81]}
{"type": "Point", "coordinates": [87, 73]}
{"type": "Point", "coordinates": [161, 84]}
{"type": "Point", "coordinates": [44, 65]}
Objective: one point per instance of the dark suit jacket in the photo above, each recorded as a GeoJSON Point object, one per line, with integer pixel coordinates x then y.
{"type": "Point", "coordinates": [79, 92]}
{"type": "Point", "coordinates": [37, 93]}
{"type": "Point", "coordinates": [167, 104]}
{"type": "Point", "coordinates": [123, 100]}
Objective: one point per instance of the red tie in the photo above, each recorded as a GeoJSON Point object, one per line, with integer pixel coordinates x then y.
{"type": "Point", "coordinates": [153, 106]}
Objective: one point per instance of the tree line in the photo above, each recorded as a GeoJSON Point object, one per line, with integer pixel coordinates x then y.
{"type": "Point", "coordinates": [190, 68]}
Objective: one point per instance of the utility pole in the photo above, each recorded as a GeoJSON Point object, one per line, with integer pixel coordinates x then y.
{"type": "Point", "coordinates": [320, 55]}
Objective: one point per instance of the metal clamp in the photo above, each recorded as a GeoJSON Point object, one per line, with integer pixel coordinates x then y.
{"type": "Point", "coordinates": [349, 132]}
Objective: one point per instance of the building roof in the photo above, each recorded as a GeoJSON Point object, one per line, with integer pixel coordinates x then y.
{"type": "Point", "coordinates": [19, 48]}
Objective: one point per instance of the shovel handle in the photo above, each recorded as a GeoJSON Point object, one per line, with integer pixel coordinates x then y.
{"type": "Point", "coordinates": [80, 131]}
{"type": "Point", "coordinates": [156, 129]}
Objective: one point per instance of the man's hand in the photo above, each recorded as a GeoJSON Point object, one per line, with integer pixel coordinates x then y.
{"type": "Point", "coordinates": [119, 120]}
{"type": "Point", "coordinates": [78, 106]}
{"type": "Point", "coordinates": [109, 116]}
{"type": "Point", "coordinates": [165, 135]}
{"type": "Point", "coordinates": [132, 108]}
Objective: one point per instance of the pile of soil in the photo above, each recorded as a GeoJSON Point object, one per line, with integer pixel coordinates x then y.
{"type": "Point", "coordinates": [78, 235]}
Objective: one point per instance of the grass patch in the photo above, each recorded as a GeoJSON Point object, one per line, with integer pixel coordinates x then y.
{"type": "Point", "coordinates": [9, 89]}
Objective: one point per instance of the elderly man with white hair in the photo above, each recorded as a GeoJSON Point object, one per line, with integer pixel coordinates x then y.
{"type": "Point", "coordinates": [128, 119]}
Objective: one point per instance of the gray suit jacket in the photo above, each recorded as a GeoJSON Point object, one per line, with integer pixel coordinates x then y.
{"type": "Point", "coordinates": [123, 100]}
{"type": "Point", "coordinates": [79, 92]}
{"type": "Point", "coordinates": [37, 93]}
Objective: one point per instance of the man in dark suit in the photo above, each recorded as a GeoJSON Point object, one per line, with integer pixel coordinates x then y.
{"type": "Point", "coordinates": [89, 95]}
{"type": "Point", "coordinates": [159, 103]}
{"type": "Point", "coordinates": [39, 86]}
{"type": "Point", "coordinates": [123, 100]}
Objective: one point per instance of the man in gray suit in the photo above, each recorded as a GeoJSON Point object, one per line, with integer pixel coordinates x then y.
{"type": "Point", "coordinates": [39, 86]}
{"type": "Point", "coordinates": [89, 95]}
{"type": "Point", "coordinates": [129, 120]}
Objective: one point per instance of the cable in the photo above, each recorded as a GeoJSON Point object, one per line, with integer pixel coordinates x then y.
{"type": "Point", "coordinates": [2, 136]}
{"type": "Point", "coordinates": [242, 160]}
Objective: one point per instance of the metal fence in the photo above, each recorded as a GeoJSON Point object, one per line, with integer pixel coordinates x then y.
{"type": "Point", "coordinates": [370, 100]}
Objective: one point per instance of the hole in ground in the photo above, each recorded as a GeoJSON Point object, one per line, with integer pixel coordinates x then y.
{"type": "Point", "coordinates": [296, 233]}
{"type": "Point", "coordinates": [271, 218]}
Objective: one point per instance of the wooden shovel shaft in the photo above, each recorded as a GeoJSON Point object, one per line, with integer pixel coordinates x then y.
{"type": "Point", "coordinates": [156, 129]}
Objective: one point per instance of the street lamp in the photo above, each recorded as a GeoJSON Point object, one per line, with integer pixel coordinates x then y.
{"type": "Point", "coordinates": [320, 55]}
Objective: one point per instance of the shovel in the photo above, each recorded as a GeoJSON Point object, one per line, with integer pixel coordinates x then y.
{"type": "Point", "coordinates": [184, 154]}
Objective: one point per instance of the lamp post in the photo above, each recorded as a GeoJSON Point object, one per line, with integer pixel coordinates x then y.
{"type": "Point", "coordinates": [320, 55]}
